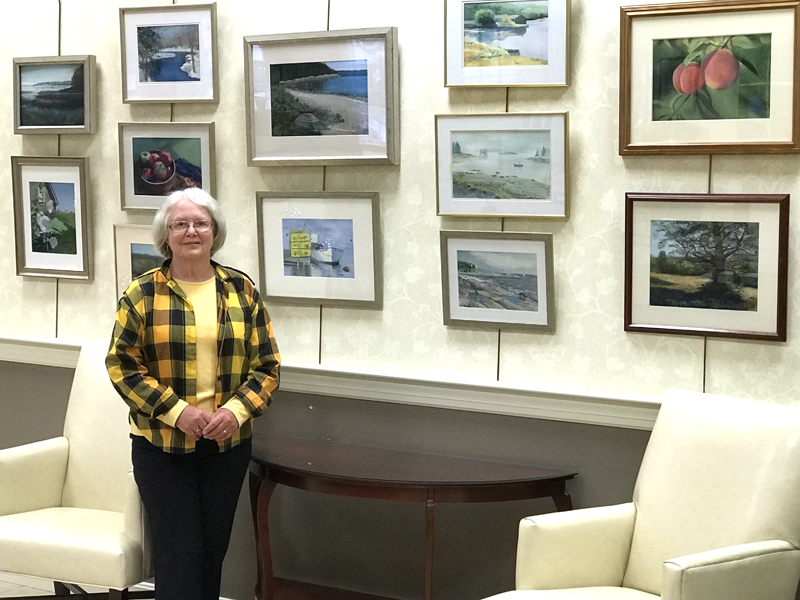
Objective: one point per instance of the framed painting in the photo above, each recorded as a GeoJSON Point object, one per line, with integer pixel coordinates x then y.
{"type": "Point", "coordinates": [320, 248]}
{"type": "Point", "coordinates": [504, 165]}
{"type": "Point", "coordinates": [55, 94]}
{"type": "Point", "coordinates": [506, 43]}
{"type": "Point", "coordinates": [169, 53]}
{"type": "Point", "coordinates": [51, 217]}
{"type": "Point", "coordinates": [707, 264]}
{"type": "Point", "coordinates": [711, 77]}
{"type": "Point", "coordinates": [498, 280]}
{"type": "Point", "coordinates": [155, 159]}
{"type": "Point", "coordinates": [134, 253]}
{"type": "Point", "coordinates": [323, 98]}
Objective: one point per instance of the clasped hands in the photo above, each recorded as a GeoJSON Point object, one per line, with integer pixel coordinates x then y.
{"type": "Point", "coordinates": [196, 424]}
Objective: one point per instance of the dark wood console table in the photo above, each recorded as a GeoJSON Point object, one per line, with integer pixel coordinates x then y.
{"type": "Point", "coordinates": [378, 473]}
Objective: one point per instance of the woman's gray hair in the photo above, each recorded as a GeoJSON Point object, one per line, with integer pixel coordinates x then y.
{"type": "Point", "coordinates": [202, 199]}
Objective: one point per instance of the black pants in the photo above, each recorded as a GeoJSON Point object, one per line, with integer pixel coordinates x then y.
{"type": "Point", "coordinates": [190, 500]}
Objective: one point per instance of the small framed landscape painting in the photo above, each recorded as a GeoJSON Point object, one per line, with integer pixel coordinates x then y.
{"type": "Point", "coordinates": [169, 53]}
{"type": "Point", "coordinates": [55, 94]}
{"type": "Point", "coordinates": [323, 98]}
{"type": "Point", "coordinates": [506, 43]}
{"type": "Point", "coordinates": [135, 253]}
{"type": "Point", "coordinates": [158, 158]}
{"type": "Point", "coordinates": [320, 248]}
{"type": "Point", "coordinates": [715, 77]}
{"type": "Point", "coordinates": [51, 217]}
{"type": "Point", "coordinates": [707, 264]}
{"type": "Point", "coordinates": [505, 165]}
{"type": "Point", "coordinates": [498, 280]}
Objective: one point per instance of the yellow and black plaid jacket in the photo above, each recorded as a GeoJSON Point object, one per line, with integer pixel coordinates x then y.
{"type": "Point", "coordinates": [152, 361]}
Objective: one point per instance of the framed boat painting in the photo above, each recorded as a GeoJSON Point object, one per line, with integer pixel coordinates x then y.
{"type": "Point", "coordinates": [169, 53]}
{"type": "Point", "coordinates": [707, 264]}
{"type": "Point", "coordinates": [506, 43]}
{"type": "Point", "coordinates": [712, 77]}
{"type": "Point", "coordinates": [51, 217]}
{"type": "Point", "coordinates": [320, 248]}
{"type": "Point", "coordinates": [322, 98]}
{"type": "Point", "coordinates": [55, 94]}
{"type": "Point", "coordinates": [134, 253]}
{"type": "Point", "coordinates": [498, 280]}
{"type": "Point", "coordinates": [502, 165]}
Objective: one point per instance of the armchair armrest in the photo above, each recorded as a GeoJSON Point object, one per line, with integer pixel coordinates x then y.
{"type": "Point", "coordinates": [136, 523]}
{"type": "Point", "coordinates": [579, 548]}
{"type": "Point", "coordinates": [757, 570]}
{"type": "Point", "coordinates": [32, 476]}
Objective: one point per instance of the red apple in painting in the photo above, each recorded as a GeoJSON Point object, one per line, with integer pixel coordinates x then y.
{"type": "Point", "coordinates": [721, 68]}
{"type": "Point", "coordinates": [687, 79]}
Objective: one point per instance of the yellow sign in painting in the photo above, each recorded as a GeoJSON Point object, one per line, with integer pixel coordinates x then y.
{"type": "Point", "coordinates": [299, 243]}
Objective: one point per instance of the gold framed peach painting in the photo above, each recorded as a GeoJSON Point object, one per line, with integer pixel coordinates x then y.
{"type": "Point", "coordinates": [709, 77]}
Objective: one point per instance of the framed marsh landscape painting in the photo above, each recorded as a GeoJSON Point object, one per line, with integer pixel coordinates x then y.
{"type": "Point", "coordinates": [320, 248]}
{"type": "Point", "coordinates": [51, 217]}
{"type": "Point", "coordinates": [158, 158]}
{"type": "Point", "coordinates": [506, 165]}
{"type": "Point", "coordinates": [55, 94]}
{"type": "Point", "coordinates": [715, 77]}
{"type": "Point", "coordinates": [507, 43]}
{"type": "Point", "coordinates": [134, 252]}
{"type": "Point", "coordinates": [498, 279]}
{"type": "Point", "coordinates": [169, 53]}
{"type": "Point", "coordinates": [322, 98]}
{"type": "Point", "coordinates": [707, 264]}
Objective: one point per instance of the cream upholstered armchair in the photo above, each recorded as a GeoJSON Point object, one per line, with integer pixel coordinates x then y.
{"type": "Point", "coordinates": [715, 515]}
{"type": "Point", "coordinates": [69, 508]}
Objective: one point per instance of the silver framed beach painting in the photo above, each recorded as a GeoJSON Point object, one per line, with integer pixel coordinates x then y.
{"type": "Point", "coordinates": [498, 280]}
{"type": "Point", "coordinates": [169, 53]}
{"type": "Point", "coordinates": [51, 216]}
{"type": "Point", "coordinates": [135, 253]}
{"type": "Point", "coordinates": [506, 43]}
{"type": "Point", "coordinates": [507, 165]}
{"type": "Point", "coordinates": [320, 248]}
{"type": "Point", "coordinates": [322, 98]}
{"type": "Point", "coordinates": [55, 94]}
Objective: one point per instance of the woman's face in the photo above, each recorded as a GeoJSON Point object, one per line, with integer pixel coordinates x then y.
{"type": "Point", "coordinates": [190, 245]}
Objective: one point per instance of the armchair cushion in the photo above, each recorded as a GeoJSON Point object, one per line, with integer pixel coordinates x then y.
{"type": "Point", "coordinates": [32, 476]}
{"type": "Point", "coordinates": [584, 593]}
{"type": "Point", "coordinates": [756, 570]}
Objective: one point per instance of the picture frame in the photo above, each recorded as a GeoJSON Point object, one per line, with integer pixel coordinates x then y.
{"type": "Point", "coordinates": [169, 53]}
{"type": "Point", "coordinates": [185, 151]}
{"type": "Point", "coordinates": [503, 165]}
{"type": "Point", "coordinates": [498, 280]}
{"type": "Point", "coordinates": [52, 217]}
{"type": "Point", "coordinates": [509, 43]}
{"type": "Point", "coordinates": [323, 98]}
{"type": "Point", "coordinates": [710, 77]}
{"type": "Point", "coordinates": [55, 94]}
{"type": "Point", "coordinates": [320, 248]}
{"type": "Point", "coordinates": [134, 253]}
{"type": "Point", "coordinates": [707, 264]}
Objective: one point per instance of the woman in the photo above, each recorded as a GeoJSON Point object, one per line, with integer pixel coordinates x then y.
{"type": "Point", "coordinates": [194, 357]}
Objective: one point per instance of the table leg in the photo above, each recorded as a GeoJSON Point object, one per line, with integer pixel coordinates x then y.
{"type": "Point", "coordinates": [562, 500]}
{"type": "Point", "coordinates": [261, 489]}
{"type": "Point", "coordinates": [430, 506]}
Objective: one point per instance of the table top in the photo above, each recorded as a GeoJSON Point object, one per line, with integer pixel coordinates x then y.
{"type": "Point", "coordinates": [350, 462]}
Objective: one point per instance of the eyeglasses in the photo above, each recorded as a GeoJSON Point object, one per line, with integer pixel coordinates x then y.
{"type": "Point", "coordinates": [200, 226]}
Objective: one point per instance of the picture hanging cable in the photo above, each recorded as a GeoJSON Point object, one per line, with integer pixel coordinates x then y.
{"type": "Point", "coordinates": [710, 163]}
{"type": "Point", "coordinates": [319, 345]}
{"type": "Point", "coordinates": [329, 15]}
{"type": "Point", "coordinates": [499, 332]}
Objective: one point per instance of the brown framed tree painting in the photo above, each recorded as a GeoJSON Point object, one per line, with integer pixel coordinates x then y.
{"type": "Point", "coordinates": [715, 77]}
{"type": "Point", "coordinates": [707, 264]}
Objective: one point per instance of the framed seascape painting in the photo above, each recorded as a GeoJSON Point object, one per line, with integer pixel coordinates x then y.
{"type": "Point", "coordinates": [707, 264]}
{"type": "Point", "coordinates": [323, 98]}
{"type": "Point", "coordinates": [169, 53]}
{"type": "Point", "coordinates": [507, 43]}
{"type": "Point", "coordinates": [320, 248]}
{"type": "Point", "coordinates": [51, 217]}
{"type": "Point", "coordinates": [505, 165]}
{"type": "Point", "coordinates": [55, 94]}
{"type": "Point", "coordinates": [498, 280]}
{"type": "Point", "coordinates": [715, 77]}
{"type": "Point", "coordinates": [134, 252]}
{"type": "Point", "coordinates": [158, 158]}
